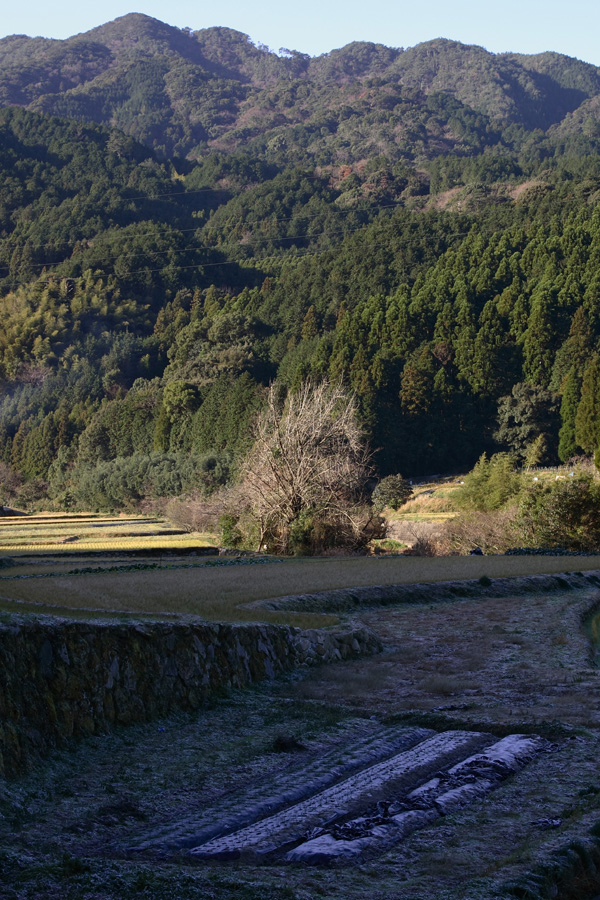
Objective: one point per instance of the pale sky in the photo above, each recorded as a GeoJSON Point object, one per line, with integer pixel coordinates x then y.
{"type": "Point", "coordinates": [318, 26]}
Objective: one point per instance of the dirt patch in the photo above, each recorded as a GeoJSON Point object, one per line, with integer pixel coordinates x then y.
{"type": "Point", "coordinates": [446, 198]}
{"type": "Point", "coordinates": [520, 189]}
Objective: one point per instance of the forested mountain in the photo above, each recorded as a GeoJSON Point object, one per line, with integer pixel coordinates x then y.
{"type": "Point", "coordinates": [183, 92]}
{"type": "Point", "coordinates": [186, 217]}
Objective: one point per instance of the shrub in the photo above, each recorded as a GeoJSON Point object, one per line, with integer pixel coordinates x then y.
{"type": "Point", "coordinates": [303, 532]}
{"type": "Point", "coordinates": [10, 484]}
{"type": "Point", "coordinates": [491, 483]}
{"type": "Point", "coordinates": [392, 492]}
{"type": "Point", "coordinates": [231, 536]}
{"type": "Point", "coordinates": [32, 493]}
{"type": "Point", "coordinates": [493, 532]}
{"type": "Point", "coordinates": [122, 483]}
{"type": "Point", "coordinates": [563, 513]}
{"type": "Point", "coordinates": [425, 547]}
{"type": "Point", "coordinates": [195, 513]}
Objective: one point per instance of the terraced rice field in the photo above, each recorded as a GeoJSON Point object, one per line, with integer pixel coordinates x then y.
{"type": "Point", "coordinates": [225, 589]}
{"type": "Point", "coordinates": [395, 771]}
{"type": "Point", "coordinates": [88, 531]}
{"type": "Point", "coordinates": [461, 763]}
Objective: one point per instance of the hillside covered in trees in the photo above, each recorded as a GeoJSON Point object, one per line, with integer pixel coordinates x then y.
{"type": "Point", "coordinates": [186, 218]}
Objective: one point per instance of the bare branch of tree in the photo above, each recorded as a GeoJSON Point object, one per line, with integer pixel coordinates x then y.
{"type": "Point", "coordinates": [309, 456]}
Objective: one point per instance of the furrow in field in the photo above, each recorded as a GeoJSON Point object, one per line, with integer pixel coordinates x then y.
{"type": "Point", "coordinates": [347, 797]}
{"type": "Point", "coordinates": [282, 791]}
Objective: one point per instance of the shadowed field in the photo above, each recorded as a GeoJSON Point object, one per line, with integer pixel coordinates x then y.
{"type": "Point", "coordinates": [217, 591]}
{"type": "Point", "coordinates": [498, 665]}
{"type": "Point", "coordinates": [501, 665]}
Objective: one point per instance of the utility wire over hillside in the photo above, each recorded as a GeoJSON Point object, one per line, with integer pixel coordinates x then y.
{"type": "Point", "coordinates": [341, 211]}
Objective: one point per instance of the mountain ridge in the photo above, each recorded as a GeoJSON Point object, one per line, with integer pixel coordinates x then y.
{"type": "Point", "coordinates": [422, 223]}
{"type": "Point", "coordinates": [195, 88]}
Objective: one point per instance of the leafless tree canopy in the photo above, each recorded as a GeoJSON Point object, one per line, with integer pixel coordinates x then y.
{"type": "Point", "coordinates": [309, 456]}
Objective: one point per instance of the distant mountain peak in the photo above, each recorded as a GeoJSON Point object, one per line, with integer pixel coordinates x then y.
{"type": "Point", "coordinates": [188, 92]}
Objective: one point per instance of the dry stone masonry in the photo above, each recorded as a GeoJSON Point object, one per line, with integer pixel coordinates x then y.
{"type": "Point", "coordinates": [62, 679]}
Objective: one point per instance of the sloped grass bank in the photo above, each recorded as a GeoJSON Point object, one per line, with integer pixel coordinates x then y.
{"type": "Point", "coordinates": [344, 600]}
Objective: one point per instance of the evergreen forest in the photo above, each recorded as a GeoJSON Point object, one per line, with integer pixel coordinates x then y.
{"type": "Point", "coordinates": [187, 218]}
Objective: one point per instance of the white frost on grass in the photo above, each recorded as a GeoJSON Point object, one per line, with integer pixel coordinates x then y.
{"type": "Point", "coordinates": [511, 752]}
{"type": "Point", "coordinates": [462, 784]}
{"type": "Point", "coordinates": [325, 848]}
{"type": "Point", "coordinates": [342, 798]}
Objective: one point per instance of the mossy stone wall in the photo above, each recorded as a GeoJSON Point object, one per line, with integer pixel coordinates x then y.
{"type": "Point", "coordinates": [62, 679]}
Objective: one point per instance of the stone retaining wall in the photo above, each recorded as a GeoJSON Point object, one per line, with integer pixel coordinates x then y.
{"type": "Point", "coordinates": [61, 679]}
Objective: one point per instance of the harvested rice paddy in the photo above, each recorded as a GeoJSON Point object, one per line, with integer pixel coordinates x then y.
{"type": "Point", "coordinates": [509, 664]}
{"type": "Point", "coordinates": [88, 531]}
{"type": "Point", "coordinates": [133, 565]}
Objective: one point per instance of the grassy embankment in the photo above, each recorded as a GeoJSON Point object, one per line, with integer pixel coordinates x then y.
{"type": "Point", "coordinates": [434, 503]}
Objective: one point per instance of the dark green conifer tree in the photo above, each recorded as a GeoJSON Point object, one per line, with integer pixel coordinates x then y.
{"type": "Point", "coordinates": [587, 420]}
{"type": "Point", "coordinates": [567, 442]}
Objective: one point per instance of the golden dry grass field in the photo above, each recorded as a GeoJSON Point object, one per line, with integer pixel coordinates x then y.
{"type": "Point", "coordinates": [56, 532]}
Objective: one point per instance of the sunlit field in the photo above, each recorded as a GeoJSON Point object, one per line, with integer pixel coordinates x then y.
{"type": "Point", "coordinates": [141, 566]}
{"type": "Point", "coordinates": [66, 532]}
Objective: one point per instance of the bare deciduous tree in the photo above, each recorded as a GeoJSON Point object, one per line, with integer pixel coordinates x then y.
{"type": "Point", "coordinates": [309, 463]}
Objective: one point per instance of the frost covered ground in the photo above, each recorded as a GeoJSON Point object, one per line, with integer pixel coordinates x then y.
{"type": "Point", "coordinates": [98, 821]}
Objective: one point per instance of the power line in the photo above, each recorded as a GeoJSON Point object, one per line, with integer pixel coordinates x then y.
{"type": "Point", "coordinates": [45, 206]}
{"type": "Point", "coordinates": [184, 193]}
{"type": "Point", "coordinates": [249, 240]}
{"type": "Point", "coordinates": [301, 253]}
{"type": "Point", "coordinates": [346, 211]}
